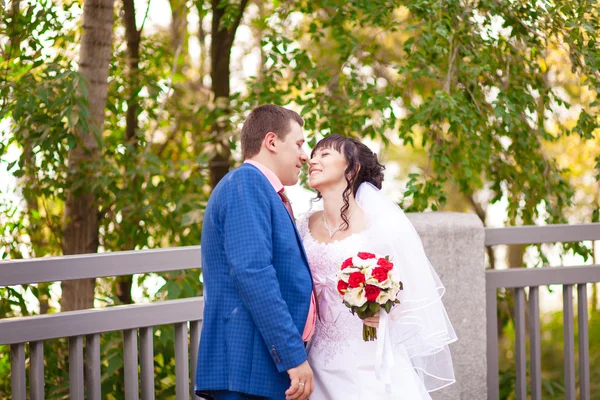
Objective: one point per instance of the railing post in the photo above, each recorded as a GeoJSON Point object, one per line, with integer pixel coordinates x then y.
{"type": "Point", "coordinates": [534, 343]}
{"type": "Point", "coordinates": [130, 360]}
{"type": "Point", "coordinates": [76, 368]}
{"type": "Point", "coordinates": [92, 366]}
{"type": "Point", "coordinates": [17, 355]}
{"type": "Point", "coordinates": [182, 388]}
{"type": "Point", "coordinates": [36, 371]}
{"type": "Point", "coordinates": [569, 342]}
{"type": "Point", "coordinates": [195, 327]}
{"type": "Point", "coordinates": [584, 345]}
{"type": "Point", "coordinates": [521, 357]}
{"type": "Point", "coordinates": [147, 362]}
{"type": "Point", "coordinates": [492, 343]}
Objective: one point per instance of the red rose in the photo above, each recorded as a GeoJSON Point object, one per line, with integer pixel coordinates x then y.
{"type": "Point", "coordinates": [366, 256]}
{"type": "Point", "coordinates": [380, 273]}
{"type": "Point", "coordinates": [347, 263]}
{"type": "Point", "coordinates": [342, 286]}
{"type": "Point", "coordinates": [355, 279]}
{"type": "Point", "coordinates": [385, 264]}
{"type": "Point", "coordinates": [371, 292]}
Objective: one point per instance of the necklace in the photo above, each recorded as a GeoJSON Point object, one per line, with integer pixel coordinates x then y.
{"type": "Point", "coordinates": [336, 230]}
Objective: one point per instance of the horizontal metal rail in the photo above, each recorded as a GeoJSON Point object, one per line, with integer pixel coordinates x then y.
{"type": "Point", "coordinates": [525, 277]}
{"type": "Point", "coordinates": [88, 322]}
{"type": "Point", "coordinates": [542, 234]}
{"type": "Point", "coordinates": [54, 269]}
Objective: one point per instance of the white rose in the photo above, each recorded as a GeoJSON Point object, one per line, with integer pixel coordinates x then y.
{"type": "Point", "coordinates": [349, 270]}
{"type": "Point", "coordinates": [368, 273]}
{"type": "Point", "coordinates": [345, 274]}
{"type": "Point", "coordinates": [385, 296]}
{"type": "Point", "coordinates": [371, 280]}
{"type": "Point", "coordinates": [395, 275]}
{"type": "Point", "coordinates": [388, 283]}
{"type": "Point", "coordinates": [355, 297]}
{"type": "Point", "coordinates": [360, 263]}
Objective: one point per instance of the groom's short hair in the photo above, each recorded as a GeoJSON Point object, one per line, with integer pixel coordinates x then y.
{"type": "Point", "coordinates": [262, 120]}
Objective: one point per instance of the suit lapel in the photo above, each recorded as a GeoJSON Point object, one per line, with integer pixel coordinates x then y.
{"type": "Point", "coordinates": [298, 237]}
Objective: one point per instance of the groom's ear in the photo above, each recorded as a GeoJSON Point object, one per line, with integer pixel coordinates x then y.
{"type": "Point", "coordinates": [270, 141]}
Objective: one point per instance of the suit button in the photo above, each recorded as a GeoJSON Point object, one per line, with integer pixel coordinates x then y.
{"type": "Point", "coordinates": [275, 355]}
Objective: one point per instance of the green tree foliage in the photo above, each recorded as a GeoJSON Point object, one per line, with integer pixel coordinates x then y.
{"type": "Point", "coordinates": [476, 89]}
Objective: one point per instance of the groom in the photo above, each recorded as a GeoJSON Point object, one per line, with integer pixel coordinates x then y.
{"type": "Point", "coordinates": [258, 309]}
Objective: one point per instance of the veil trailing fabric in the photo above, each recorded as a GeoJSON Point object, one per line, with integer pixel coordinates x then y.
{"type": "Point", "coordinates": [418, 328]}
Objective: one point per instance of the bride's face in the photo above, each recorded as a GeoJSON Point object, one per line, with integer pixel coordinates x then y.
{"type": "Point", "coordinates": [327, 168]}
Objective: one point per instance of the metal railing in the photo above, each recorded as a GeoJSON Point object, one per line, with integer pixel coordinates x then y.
{"type": "Point", "coordinates": [26, 335]}
{"type": "Point", "coordinates": [533, 278]}
{"type": "Point", "coordinates": [85, 326]}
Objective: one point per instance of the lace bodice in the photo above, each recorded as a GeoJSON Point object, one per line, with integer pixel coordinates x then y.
{"type": "Point", "coordinates": [337, 327]}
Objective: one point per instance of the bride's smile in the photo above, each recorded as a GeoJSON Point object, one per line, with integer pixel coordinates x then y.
{"type": "Point", "coordinates": [327, 167]}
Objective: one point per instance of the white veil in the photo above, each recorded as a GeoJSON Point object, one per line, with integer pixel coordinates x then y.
{"type": "Point", "coordinates": [419, 326]}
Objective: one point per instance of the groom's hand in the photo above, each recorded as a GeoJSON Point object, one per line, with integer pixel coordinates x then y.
{"type": "Point", "coordinates": [302, 382]}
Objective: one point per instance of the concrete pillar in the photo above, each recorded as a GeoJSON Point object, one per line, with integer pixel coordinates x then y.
{"type": "Point", "coordinates": [454, 243]}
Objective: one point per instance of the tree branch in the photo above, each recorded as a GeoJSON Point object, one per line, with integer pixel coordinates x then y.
{"type": "Point", "coordinates": [145, 16]}
{"type": "Point", "coordinates": [238, 18]}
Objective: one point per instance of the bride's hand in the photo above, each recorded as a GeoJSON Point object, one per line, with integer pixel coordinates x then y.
{"type": "Point", "coordinates": [373, 321]}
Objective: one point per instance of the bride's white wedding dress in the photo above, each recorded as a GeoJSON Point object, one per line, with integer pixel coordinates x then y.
{"type": "Point", "coordinates": [344, 365]}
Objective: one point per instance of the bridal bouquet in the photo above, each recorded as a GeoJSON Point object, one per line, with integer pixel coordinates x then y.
{"type": "Point", "coordinates": [368, 282]}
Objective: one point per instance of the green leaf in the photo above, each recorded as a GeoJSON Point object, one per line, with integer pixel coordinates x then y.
{"type": "Point", "coordinates": [374, 307]}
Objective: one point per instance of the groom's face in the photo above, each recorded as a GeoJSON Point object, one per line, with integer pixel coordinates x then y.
{"type": "Point", "coordinates": [291, 155]}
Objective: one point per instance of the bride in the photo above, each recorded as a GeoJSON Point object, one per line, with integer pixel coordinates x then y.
{"type": "Point", "coordinates": [410, 357]}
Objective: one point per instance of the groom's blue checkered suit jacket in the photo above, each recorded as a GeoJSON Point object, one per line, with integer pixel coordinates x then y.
{"type": "Point", "coordinates": [257, 289]}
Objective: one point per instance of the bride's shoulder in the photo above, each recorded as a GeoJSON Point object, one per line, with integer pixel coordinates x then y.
{"type": "Point", "coordinates": [303, 222]}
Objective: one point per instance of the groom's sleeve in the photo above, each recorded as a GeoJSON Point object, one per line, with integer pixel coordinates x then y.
{"type": "Point", "coordinates": [249, 250]}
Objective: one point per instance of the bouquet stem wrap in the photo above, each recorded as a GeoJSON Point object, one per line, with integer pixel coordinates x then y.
{"type": "Point", "coordinates": [384, 356]}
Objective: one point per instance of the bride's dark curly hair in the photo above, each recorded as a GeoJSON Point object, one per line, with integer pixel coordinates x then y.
{"type": "Point", "coordinates": [359, 159]}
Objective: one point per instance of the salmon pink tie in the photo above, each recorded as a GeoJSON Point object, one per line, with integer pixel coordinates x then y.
{"type": "Point", "coordinates": [313, 311]}
{"type": "Point", "coordinates": [286, 202]}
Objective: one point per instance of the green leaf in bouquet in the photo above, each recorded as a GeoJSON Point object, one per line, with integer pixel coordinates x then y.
{"type": "Point", "coordinates": [363, 307]}
{"type": "Point", "coordinates": [388, 306]}
{"type": "Point", "coordinates": [374, 307]}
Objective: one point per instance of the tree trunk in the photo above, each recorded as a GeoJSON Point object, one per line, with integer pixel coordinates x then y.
{"type": "Point", "coordinates": [202, 40]}
{"type": "Point", "coordinates": [260, 33]}
{"type": "Point", "coordinates": [514, 259]}
{"type": "Point", "coordinates": [81, 210]}
{"type": "Point", "coordinates": [220, 54]}
{"type": "Point", "coordinates": [482, 214]}
{"type": "Point", "coordinates": [15, 40]}
{"type": "Point", "coordinates": [179, 15]}
{"type": "Point", "coordinates": [36, 233]}
{"type": "Point", "coordinates": [133, 36]}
